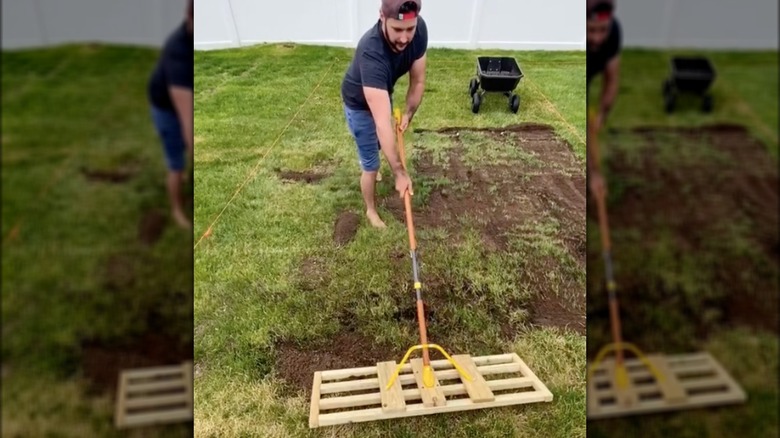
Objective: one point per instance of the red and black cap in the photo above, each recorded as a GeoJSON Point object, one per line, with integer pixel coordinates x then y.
{"type": "Point", "coordinates": [401, 9]}
{"type": "Point", "coordinates": [600, 10]}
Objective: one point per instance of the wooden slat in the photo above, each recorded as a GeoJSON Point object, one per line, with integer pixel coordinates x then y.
{"type": "Point", "coordinates": [526, 387]}
{"type": "Point", "coordinates": [145, 373]}
{"type": "Point", "coordinates": [160, 400]}
{"type": "Point", "coordinates": [155, 386]}
{"type": "Point", "coordinates": [119, 415]}
{"type": "Point", "coordinates": [430, 396]}
{"type": "Point", "coordinates": [477, 388]}
{"type": "Point", "coordinates": [314, 412]}
{"type": "Point", "coordinates": [347, 373]}
{"type": "Point", "coordinates": [393, 398]}
{"type": "Point", "coordinates": [670, 387]}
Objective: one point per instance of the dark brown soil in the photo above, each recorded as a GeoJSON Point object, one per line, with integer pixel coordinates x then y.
{"type": "Point", "coordinates": [550, 310]}
{"type": "Point", "coordinates": [729, 180]}
{"type": "Point", "coordinates": [151, 227]}
{"type": "Point", "coordinates": [346, 227]}
{"type": "Point", "coordinates": [297, 364]}
{"type": "Point", "coordinates": [307, 177]}
{"type": "Point", "coordinates": [313, 274]}
{"type": "Point", "coordinates": [102, 363]}
{"type": "Point", "coordinates": [108, 176]}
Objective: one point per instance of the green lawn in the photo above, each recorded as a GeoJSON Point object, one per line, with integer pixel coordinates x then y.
{"type": "Point", "coordinates": [66, 111]}
{"type": "Point", "coordinates": [693, 218]}
{"type": "Point", "coordinates": [271, 284]}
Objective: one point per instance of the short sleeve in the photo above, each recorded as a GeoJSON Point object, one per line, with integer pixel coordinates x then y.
{"type": "Point", "coordinates": [374, 72]}
{"type": "Point", "coordinates": [422, 29]}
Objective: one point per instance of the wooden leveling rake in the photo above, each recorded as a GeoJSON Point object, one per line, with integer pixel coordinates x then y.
{"type": "Point", "coordinates": [421, 386]}
{"type": "Point", "coordinates": [619, 387]}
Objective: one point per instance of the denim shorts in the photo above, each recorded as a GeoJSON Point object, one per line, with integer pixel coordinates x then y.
{"type": "Point", "coordinates": [169, 129]}
{"type": "Point", "coordinates": [361, 125]}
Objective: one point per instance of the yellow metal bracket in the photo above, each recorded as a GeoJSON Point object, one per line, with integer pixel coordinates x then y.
{"type": "Point", "coordinates": [427, 370]}
{"type": "Point", "coordinates": [621, 375]}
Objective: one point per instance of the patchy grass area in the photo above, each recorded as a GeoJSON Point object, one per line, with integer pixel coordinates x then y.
{"type": "Point", "coordinates": [95, 276]}
{"type": "Point", "coordinates": [290, 279]}
{"type": "Point", "coordinates": [693, 202]}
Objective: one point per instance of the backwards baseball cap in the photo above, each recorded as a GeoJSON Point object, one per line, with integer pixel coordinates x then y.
{"type": "Point", "coordinates": [401, 9]}
{"type": "Point", "coordinates": [600, 10]}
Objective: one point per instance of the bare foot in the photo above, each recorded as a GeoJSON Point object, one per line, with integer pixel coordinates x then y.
{"type": "Point", "coordinates": [373, 217]}
{"type": "Point", "coordinates": [181, 220]}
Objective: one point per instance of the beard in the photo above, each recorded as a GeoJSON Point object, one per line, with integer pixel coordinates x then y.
{"type": "Point", "coordinates": [396, 45]}
{"type": "Point", "coordinates": [400, 47]}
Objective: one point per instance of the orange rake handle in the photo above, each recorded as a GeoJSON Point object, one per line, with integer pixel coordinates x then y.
{"type": "Point", "coordinates": [413, 247]}
{"type": "Point", "coordinates": [407, 196]}
{"type": "Point", "coordinates": [606, 246]}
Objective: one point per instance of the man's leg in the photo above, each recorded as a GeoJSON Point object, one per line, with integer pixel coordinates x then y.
{"type": "Point", "coordinates": [363, 130]}
{"type": "Point", "coordinates": [175, 179]}
{"type": "Point", "coordinates": [368, 187]}
{"type": "Point", "coordinates": [175, 148]}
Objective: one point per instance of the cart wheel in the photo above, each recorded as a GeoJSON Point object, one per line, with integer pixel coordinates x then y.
{"type": "Point", "coordinates": [706, 103]}
{"type": "Point", "coordinates": [667, 86]}
{"type": "Point", "coordinates": [473, 85]}
{"type": "Point", "coordinates": [476, 101]}
{"type": "Point", "coordinates": [514, 103]}
{"type": "Point", "coordinates": [670, 100]}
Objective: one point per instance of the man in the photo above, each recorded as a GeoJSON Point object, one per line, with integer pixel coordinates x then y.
{"type": "Point", "coordinates": [170, 96]}
{"type": "Point", "coordinates": [604, 41]}
{"type": "Point", "coordinates": [396, 45]}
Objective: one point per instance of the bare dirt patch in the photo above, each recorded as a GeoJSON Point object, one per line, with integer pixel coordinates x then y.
{"type": "Point", "coordinates": [348, 349]}
{"type": "Point", "coordinates": [715, 199]}
{"type": "Point", "coordinates": [102, 362]}
{"type": "Point", "coordinates": [306, 177]}
{"type": "Point", "coordinates": [345, 228]}
{"type": "Point", "coordinates": [550, 310]}
{"type": "Point", "coordinates": [151, 227]}
{"type": "Point", "coordinates": [108, 176]}
{"type": "Point", "coordinates": [312, 274]}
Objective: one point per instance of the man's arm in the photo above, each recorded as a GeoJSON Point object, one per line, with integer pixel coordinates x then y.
{"type": "Point", "coordinates": [416, 86]}
{"type": "Point", "coordinates": [610, 89]}
{"type": "Point", "coordinates": [182, 101]}
{"type": "Point", "coordinates": [379, 103]}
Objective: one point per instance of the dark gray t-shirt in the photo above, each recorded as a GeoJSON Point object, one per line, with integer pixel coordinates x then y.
{"type": "Point", "coordinates": [376, 65]}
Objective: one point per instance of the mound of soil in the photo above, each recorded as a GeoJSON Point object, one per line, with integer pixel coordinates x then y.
{"type": "Point", "coordinates": [345, 228]}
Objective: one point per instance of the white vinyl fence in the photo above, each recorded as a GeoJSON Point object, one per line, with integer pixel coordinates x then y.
{"type": "Point", "coordinates": [495, 24]}
{"type": "Point", "coordinates": [40, 23]}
